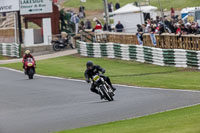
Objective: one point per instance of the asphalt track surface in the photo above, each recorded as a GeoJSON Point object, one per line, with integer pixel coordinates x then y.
{"type": "Point", "coordinates": [47, 104]}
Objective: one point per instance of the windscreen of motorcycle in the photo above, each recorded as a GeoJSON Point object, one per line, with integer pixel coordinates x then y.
{"type": "Point", "coordinates": [30, 62]}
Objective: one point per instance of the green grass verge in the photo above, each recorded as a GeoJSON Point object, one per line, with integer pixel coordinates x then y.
{"type": "Point", "coordinates": [98, 4]}
{"type": "Point", "coordinates": [1, 57]}
{"type": "Point", "coordinates": [120, 72]}
{"type": "Point", "coordinates": [185, 120]}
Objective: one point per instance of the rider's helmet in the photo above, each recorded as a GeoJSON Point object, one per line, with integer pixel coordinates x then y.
{"type": "Point", "coordinates": [89, 65]}
{"type": "Point", "coordinates": [27, 52]}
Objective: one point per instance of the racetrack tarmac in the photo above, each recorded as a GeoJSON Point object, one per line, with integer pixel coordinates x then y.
{"type": "Point", "coordinates": [47, 104]}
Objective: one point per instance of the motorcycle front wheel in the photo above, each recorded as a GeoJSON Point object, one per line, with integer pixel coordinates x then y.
{"type": "Point", "coordinates": [30, 73]}
{"type": "Point", "coordinates": [106, 94]}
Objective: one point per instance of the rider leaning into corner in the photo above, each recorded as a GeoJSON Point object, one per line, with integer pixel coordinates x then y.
{"type": "Point", "coordinates": [93, 70]}
{"type": "Point", "coordinates": [27, 54]}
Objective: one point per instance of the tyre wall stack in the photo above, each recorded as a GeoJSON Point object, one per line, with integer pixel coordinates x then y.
{"type": "Point", "coordinates": [156, 56]}
{"type": "Point", "coordinates": [11, 50]}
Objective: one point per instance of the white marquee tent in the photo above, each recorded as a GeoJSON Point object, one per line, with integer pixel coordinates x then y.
{"type": "Point", "coordinates": [131, 15]}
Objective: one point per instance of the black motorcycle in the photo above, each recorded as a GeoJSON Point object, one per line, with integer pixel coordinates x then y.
{"type": "Point", "coordinates": [62, 44]}
{"type": "Point", "coordinates": [103, 87]}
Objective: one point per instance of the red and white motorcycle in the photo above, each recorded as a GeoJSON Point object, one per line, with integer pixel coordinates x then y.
{"type": "Point", "coordinates": [30, 67]}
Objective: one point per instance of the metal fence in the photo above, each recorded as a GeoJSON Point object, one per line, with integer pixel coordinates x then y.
{"type": "Point", "coordinates": [165, 41]}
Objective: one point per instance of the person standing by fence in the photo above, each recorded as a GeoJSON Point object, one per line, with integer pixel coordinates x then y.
{"type": "Point", "coordinates": [88, 24]}
{"type": "Point", "coordinates": [81, 12]}
{"type": "Point", "coordinates": [119, 27]}
{"type": "Point", "coordinates": [110, 7]}
{"type": "Point", "coordinates": [75, 19]}
{"type": "Point", "coordinates": [98, 28]}
{"type": "Point", "coordinates": [172, 12]}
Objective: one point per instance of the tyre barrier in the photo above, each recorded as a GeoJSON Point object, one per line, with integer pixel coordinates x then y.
{"type": "Point", "coordinates": [11, 50]}
{"type": "Point", "coordinates": [144, 54]}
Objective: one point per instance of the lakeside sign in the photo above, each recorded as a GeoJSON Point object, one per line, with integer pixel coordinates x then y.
{"type": "Point", "coordinates": [35, 6]}
{"type": "Point", "coordinates": [9, 5]}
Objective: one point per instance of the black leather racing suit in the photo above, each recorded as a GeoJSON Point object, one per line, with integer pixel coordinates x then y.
{"type": "Point", "coordinates": [89, 73]}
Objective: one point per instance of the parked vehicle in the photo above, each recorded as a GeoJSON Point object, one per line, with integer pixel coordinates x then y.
{"type": "Point", "coordinates": [194, 16]}
{"type": "Point", "coordinates": [62, 43]}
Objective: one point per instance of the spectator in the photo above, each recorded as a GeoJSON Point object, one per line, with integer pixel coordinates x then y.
{"type": "Point", "coordinates": [174, 25]}
{"type": "Point", "coordinates": [81, 15]}
{"type": "Point", "coordinates": [188, 28]}
{"type": "Point", "coordinates": [82, 26]}
{"type": "Point", "coordinates": [172, 12]}
{"type": "Point", "coordinates": [88, 24]}
{"type": "Point", "coordinates": [110, 7]}
{"type": "Point", "coordinates": [105, 27]}
{"type": "Point", "coordinates": [157, 19]}
{"type": "Point", "coordinates": [161, 28]}
{"type": "Point", "coordinates": [81, 12]}
{"type": "Point", "coordinates": [117, 5]}
{"type": "Point", "coordinates": [62, 19]}
{"type": "Point", "coordinates": [193, 29]}
{"type": "Point", "coordinates": [72, 13]}
{"type": "Point", "coordinates": [139, 28]}
{"type": "Point", "coordinates": [183, 29]}
{"type": "Point", "coordinates": [68, 16]}
{"type": "Point", "coordinates": [178, 29]}
{"type": "Point", "coordinates": [75, 20]}
{"type": "Point", "coordinates": [98, 27]}
{"type": "Point", "coordinates": [140, 34]}
{"type": "Point", "coordinates": [81, 9]}
{"type": "Point", "coordinates": [171, 26]}
{"type": "Point", "coordinates": [119, 27]}
{"type": "Point", "coordinates": [166, 22]}
{"type": "Point", "coordinates": [145, 28]}
{"type": "Point", "coordinates": [153, 28]}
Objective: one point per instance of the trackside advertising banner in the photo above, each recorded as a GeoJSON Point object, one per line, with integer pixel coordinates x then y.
{"type": "Point", "coordinates": [9, 5]}
{"type": "Point", "coordinates": [35, 6]}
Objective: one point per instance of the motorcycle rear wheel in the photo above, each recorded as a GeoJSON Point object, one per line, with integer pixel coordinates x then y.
{"type": "Point", "coordinates": [56, 47]}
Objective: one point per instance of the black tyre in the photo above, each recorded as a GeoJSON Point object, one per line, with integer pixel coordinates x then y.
{"type": "Point", "coordinates": [30, 73]}
{"type": "Point", "coordinates": [56, 47]}
{"type": "Point", "coordinates": [106, 94]}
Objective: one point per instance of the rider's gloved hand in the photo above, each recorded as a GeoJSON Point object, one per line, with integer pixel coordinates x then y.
{"type": "Point", "coordinates": [87, 80]}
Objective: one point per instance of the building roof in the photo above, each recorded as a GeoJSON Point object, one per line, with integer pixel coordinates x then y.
{"type": "Point", "coordinates": [131, 8]}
